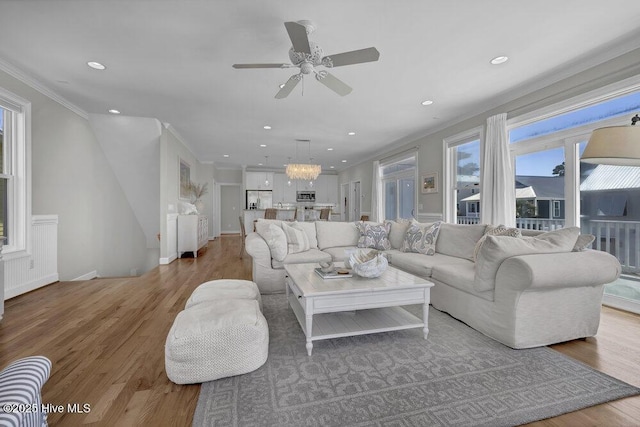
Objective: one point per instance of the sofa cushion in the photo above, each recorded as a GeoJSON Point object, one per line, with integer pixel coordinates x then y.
{"type": "Point", "coordinates": [421, 238]}
{"type": "Point", "coordinates": [312, 255]}
{"type": "Point", "coordinates": [341, 253]}
{"type": "Point", "coordinates": [297, 240]}
{"type": "Point", "coordinates": [310, 229]}
{"type": "Point", "coordinates": [334, 233]}
{"type": "Point", "coordinates": [460, 276]}
{"type": "Point", "coordinates": [397, 232]}
{"type": "Point", "coordinates": [459, 240]}
{"type": "Point", "coordinates": [496, 249]}
{"type": "Point", "coordinates": [375, 236]}
{"type": "Point", "coordinates": [419, 264]}
{"type": "Point", "coordinates": [275, 238]}
{"type": "Point", "coordinates": [495, 230]}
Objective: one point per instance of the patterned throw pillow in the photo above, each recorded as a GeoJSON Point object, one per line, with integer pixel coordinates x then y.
{"type": "Point", "coordinates": [297, 239]}
{"type": "Point", "coordinates": [374, 236]}
{"type": "Point", "coordinates": [495, 230]}
{"type": "Point", "coordinates": [421, 238]}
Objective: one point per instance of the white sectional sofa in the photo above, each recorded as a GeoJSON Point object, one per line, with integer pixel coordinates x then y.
{"type": "Point", "coordinates": [522, 292]}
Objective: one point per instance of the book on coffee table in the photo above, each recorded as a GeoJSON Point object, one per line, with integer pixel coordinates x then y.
{"type": "Point", "coordinates": [335, 274]}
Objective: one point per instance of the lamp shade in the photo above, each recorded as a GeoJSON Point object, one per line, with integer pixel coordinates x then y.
{"type": "Point", "coordinates": [615, 145]}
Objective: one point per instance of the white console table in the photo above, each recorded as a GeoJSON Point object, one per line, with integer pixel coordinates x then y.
{"type": "Point", "coordinates": [193, 233]}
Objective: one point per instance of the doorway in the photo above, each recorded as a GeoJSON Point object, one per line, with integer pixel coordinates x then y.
{"type": "Point", "coordinates": [344, 201]}
{"type": "Point", "coordinates": [229, 206]}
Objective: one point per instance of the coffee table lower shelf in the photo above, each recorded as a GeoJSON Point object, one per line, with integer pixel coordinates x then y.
{"type": "Point", "coordinates": [350, 323]}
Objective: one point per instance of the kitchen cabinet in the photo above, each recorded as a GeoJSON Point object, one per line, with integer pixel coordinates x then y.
{"type": "Point", "coordinates": [256, 180]}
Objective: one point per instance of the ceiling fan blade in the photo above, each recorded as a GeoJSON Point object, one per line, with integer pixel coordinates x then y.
{"type": "Point", "coordinates": [333, 83]}
{"type": "Point", "coordinates": [288, 86]}
{"type": "Point", "coordinates": [261, 65]}
{"type": "Point", "coordinates": [298, 36]}
{"type": "Point", "coordinates": [369, 54]}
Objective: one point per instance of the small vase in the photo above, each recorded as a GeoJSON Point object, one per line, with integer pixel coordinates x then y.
{"type": "Point", "coordinates": [199, 204]}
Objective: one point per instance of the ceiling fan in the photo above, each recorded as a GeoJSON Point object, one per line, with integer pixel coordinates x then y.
{"type": "Point", "coordinates": [307, 55]}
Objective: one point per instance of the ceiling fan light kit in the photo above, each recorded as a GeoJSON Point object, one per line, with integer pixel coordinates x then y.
{"type": "Point", "coordinates": [306, 55]}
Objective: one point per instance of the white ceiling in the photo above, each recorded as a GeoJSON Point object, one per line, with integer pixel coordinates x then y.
{"type": "Point", "coordinates": [171, 59]}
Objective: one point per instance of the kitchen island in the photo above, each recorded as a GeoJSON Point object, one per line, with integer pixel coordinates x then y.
{"type": "Point", "coordinates": [287, 212]}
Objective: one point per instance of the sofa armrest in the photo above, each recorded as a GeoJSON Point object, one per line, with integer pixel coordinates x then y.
{"type": "Point", "coordinates": [21, 384]}
{"type": "Point", "coordinates": [562, 270]}
{"type": "Point", "coordinates": [257, 247]}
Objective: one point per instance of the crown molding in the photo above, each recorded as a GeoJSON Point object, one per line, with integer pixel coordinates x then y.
{"type": "Point", "coordinates": [183, 141]}
{"type": "Point", "coordinates": [34, 83]}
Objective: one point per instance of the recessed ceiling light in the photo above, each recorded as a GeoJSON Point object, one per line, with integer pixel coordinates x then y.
{"type": "Point", "coordinates": [263, 145]}
{"type": "Point", "coordinates": [499, 60]}
{"type": "Point", "coordinates": [96, 65]}
{"type": "Point", "coordinates": [114, 111]}
{"type": "Point", "coordinates": [225, 155]}
{"type": "Point", "coordinates": [281, 86]}
{"type": "Point", "coordinates": [267, 127]}
{"type": "Point", "coordinates": [332, 167]}
{"type": "Point", "coordinates": [259, 164]}
{"type": "Point", "coordinates": [344, 161]}
{"type": "Point", "coordinates": [351, 133]}
{"type": "Point", "coordinates": [329, 149]}
{"type": "Point", "coordinates": [427, 102]}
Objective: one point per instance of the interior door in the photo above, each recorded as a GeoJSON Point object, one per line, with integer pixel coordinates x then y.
{"type": "Point", "coordinates": [356, 201]}
{"type": "Point", "coordinates": [344, 201]}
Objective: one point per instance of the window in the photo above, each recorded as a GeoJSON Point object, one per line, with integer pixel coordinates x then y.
{"type": "Point", "coordinates": [14, 182]}
{"type": "Point", "coordinates": [462, 177]}
{"type": "Point", "coordinates": [399, 187]}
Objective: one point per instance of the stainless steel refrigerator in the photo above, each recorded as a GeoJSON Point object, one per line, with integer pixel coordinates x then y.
{"type": "Point", "coordinates": [259, 199]}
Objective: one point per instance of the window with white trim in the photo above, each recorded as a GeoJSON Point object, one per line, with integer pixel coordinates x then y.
{"type": "Point", "coordinates": [14, 180]}
{"type": "Point", "coordinates": [398, 179]}
{"type": "Point", "coordinates": [462, 177]}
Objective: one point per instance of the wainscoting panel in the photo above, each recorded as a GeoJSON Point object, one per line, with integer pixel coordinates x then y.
{"type": "Point", "coordinates": [171, 239]}
{"type": "Point", "coordinates": [37, 267]}
{"type": "Point", "coordinates": [429, 217]}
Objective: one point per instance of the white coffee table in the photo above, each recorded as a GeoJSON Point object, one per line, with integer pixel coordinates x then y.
{"type": "Point", "coordinates": [332, 308]}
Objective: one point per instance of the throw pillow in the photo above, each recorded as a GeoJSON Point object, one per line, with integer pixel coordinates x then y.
{"type": "Point", "coordinates": [275, 238]}
{"type": "Point", "coordinates": [310, 229]}
{"type": "Point", "coordinates": [421, 238]}
{"type": "Point", "coordinates": [495, 230]}
{"type": "Point", "coordinates": [374, 236]}
{"type": "Point", "coordinates": [398, 230]}
{"type": "Point", "coordinates": [584, 241]}
{"type": "Point", "coordinates": [297, 239]}
{"type": "Point", "coordinates": [497, 249]}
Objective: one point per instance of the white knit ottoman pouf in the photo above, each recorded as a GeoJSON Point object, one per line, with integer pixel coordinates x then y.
{"type": "Point", "coordinates": [216, 340]}
{"type": "Point", "coordinates": [224, 289]}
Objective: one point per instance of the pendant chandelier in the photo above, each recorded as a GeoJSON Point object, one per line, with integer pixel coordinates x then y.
{"type": "Point", "coordinates": [304, 171]}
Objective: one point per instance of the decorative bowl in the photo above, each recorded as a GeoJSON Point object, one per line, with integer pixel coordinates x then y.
{"type": "Point", "coordinates": [368, 264]}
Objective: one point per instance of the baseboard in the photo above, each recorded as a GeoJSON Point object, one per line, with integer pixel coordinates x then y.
{"type": "Point", "coordinates": [621, 303]}
{"type": "Point", "coordinates": [168, 260]}
{"type": "Point", "coordinates": [30, 286]}
{"type": "Point", "coordinates": [89, 276]}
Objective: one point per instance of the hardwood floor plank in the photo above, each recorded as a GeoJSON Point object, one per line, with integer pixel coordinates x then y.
{"type": "Point", "coordinates": [106, 340]}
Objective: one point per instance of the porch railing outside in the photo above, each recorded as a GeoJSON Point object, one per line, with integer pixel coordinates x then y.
{"type": "Point", "coordinates": [619, 238]}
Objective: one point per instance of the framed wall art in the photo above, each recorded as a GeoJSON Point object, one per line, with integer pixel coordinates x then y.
{"type": "Point", "coordinates": [185, 181]}
{"type": "Point", "coordinates": [429, 183]}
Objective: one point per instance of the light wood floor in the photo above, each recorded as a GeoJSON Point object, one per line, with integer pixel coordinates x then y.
{"type": "Point", "coordinates": [106, 340]}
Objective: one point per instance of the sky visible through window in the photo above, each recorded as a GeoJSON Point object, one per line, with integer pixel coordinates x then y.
{"type": "Point", "coordinates": [542, 163]}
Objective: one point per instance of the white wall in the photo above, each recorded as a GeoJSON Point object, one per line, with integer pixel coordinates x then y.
{"type": "Point", "coordinates": [172, 150]}
{"type": "Point", "coordinates": [97, 230]}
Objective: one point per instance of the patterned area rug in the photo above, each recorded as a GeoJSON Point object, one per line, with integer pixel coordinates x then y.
{"type": "Point", "coordinates": [456, 377]}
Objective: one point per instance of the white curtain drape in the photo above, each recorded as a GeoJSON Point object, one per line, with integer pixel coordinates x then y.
{"type": "Point", "coordinates": [498, 198]}
{"type": "Point", "coordinates": [376, 194]}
